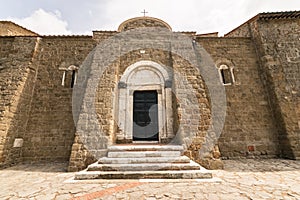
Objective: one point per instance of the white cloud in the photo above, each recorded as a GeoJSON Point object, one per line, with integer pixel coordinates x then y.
{"type": "Point", "coordinates": [44, 23]}
{"type": "Point", "coordinates": [188, 15]}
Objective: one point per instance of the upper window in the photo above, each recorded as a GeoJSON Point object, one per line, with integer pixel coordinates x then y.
{"type": "Point", "coordinates": [226, 74]}
{"type": "Point", "coordinates": [69, 79]}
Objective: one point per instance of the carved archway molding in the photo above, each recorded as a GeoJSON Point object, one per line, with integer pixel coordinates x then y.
{"type": "Point", "coordinates": [140, 76]}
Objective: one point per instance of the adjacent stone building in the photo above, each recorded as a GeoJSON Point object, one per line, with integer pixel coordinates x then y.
{"type": "Point", "coordinates": [67, 98]}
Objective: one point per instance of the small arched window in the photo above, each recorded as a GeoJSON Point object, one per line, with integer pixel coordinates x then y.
{"type": "Point", "coordinates": [226, 74]}
{"type": "Point", "coordinates": [69, 80]}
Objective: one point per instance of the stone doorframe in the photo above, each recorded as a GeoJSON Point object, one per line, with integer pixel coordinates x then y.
{"type": "Point", "coordinates": [141, 76]}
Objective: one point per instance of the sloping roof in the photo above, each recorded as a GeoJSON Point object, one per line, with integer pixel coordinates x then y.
{"type": "Point", "coordinates": [214, 34]}
{"type": "Point", "coordinates": [280, 15]}
{"type": "Point", "coordinates": [269, 16]}
{"type": "Point", "coordinates": [8, 28]}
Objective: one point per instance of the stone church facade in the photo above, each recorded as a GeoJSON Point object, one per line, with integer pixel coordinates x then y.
{"type": "Point", "coordinates": [67, 98]}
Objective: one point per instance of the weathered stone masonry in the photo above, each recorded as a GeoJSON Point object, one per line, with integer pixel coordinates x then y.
{"type": "Point", "coordinates": [248, 120]}
{"type": "Point", "coordinates": [50, 130]}
{"type": "Point", "coordinates": [16, 83]}
{"type": "Point", "coordinates": [35, 106]}
{"type": "Point", "coordinates": [276, 38]}
{"type": "Point", "coordinates": [263, 109]}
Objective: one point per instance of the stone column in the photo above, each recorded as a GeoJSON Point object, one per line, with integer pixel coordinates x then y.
{"type": "Point", "coordinates": [129, 115]}
{"type": "Point", "coordinates": [169, 110]}
{"type": "Point", "coordinates": [122, 106]}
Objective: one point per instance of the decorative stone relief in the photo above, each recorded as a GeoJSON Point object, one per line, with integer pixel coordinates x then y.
{"type": "Point", "coordinates": [121, 84]}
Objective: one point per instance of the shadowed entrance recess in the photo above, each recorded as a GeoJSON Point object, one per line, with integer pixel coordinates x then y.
{"type": "Point", "coordinates": [145, 116]}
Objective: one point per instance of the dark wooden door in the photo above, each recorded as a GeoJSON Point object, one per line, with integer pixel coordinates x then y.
{"type": "Point", "coordinates": [145, 116]}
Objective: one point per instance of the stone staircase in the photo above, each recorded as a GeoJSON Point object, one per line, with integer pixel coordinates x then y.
{"type": "Point", "coordinates": [144, 161]}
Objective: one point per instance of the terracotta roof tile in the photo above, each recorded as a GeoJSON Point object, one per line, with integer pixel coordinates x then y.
{"type": "Point", "coordinates": [279, 15]}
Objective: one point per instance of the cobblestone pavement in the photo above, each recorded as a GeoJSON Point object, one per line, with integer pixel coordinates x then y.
{"type": "Point", "coordinates": [241, 179]}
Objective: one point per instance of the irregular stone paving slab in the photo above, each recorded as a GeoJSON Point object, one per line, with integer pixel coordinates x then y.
{"type": "Point", "coordinates": [241, 179]}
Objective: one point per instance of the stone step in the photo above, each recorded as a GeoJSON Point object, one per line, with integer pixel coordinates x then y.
{"type": "Point", "coordinates": [181, 159]}
{"type": "Point", "coordinates": [144, 166]}
{"type": "Point", "coordinates": [144, 161]}
{"type": "Point", "coordinates": [142, 154]}
{"type": "Point", "coordinates": [145, 148]}
{"type": "Point", "coordinates": [185, 174]}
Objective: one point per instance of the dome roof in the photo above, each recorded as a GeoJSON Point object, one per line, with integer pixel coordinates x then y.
{"type": "Point", "coordinates": [139, 22]}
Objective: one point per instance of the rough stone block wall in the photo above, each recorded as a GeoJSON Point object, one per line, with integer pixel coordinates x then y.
{"type": "Point", "coordinates": [50, 131]}
{"type": "Point", "coordinates": [249, 129]}
{"type": "Point", "coordinates": [99, 36]}
{"type": "Point", "coordinates": [279, 49]}
{"type": "Point", "coordinates": [108, 89]}
{"type": "Point", "coordinates": [189, 108]}
{"type": "Point", "coordinates": [241, 31]}
{"type": "Point", "coordinates": [277, 44]}
{"type": "Point", "coordinates": [80, 156]}
{"type": "Point", "coordinates": [183, 68]}
{"type": "Point", "coordinates": [106, 92]}
{"type": "Point", "coordinates": [17, 75]}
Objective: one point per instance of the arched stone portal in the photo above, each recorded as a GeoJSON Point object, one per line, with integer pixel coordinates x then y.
{"type": "Point", "coordinates": [145, 76]}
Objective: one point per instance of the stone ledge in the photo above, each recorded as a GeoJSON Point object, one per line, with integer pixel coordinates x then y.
{"type": "Point", "coordinates": [144, 166]}
{"type": "Point", "coordinates": [145, 148]}
{"type": "Point", "coordinates": [187, 174]}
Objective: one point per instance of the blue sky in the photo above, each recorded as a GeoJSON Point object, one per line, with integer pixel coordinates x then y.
{"type": "Point", "coordinates": [81, 17]}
